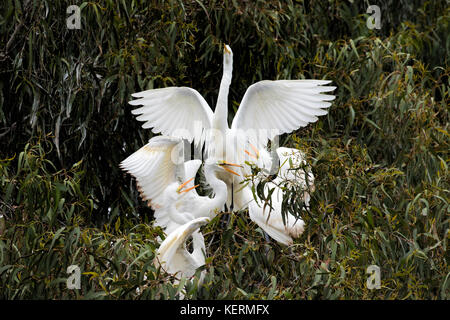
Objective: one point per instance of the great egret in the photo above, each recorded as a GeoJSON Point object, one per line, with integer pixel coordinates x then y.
{"type": "Point", "coordinates": [172, 255]}
{"type": "Point", "coordinates": [289, 174]}
{"type": "Point", "coordinates": [268, 108]}
{"type": "Point", "coordinates": [166, 182]}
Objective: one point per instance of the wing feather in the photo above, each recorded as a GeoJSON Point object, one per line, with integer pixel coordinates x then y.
{"type": "Point", "coordinates": [282, 106]}
{"type": "Point", "coordinates": [170, 111]}
{"type": "Point", "coordinates": [154, 169]}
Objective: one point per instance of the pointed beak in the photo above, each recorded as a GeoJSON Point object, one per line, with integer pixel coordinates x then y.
{"type": "Point", "coordinates": [231, 164]}
{"type": "Point", "coordinates": [251, 155]}
{"type": "Point", "coordinates": [230, 171]}
{"type": "Point", "coordinates": [254, 149]}
{"type": "Point", "coordinates": [189, 189]}
{"type": "Point", "coordinates": [183, 185]}
{"type": "Point", "coordinates": [224, 163]}
{"type": "Point", "coordinates": [225, 48]}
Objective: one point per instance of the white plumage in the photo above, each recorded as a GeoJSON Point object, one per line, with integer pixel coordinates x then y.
{"type": "Point", "coordinates": [163, 179]}
{"type": "Point", "coordinates": [174, 111]}
{"type": "Point", "coordinates": [178, 209]}
{"type": "Point", "coordinates": [172, 255]}
{"type": "Point", "coordinates": [268, 108]}
{"type": "Point", "coordinates": [282, 106]}
{"type": "Point", "coordinates": [290, 174]}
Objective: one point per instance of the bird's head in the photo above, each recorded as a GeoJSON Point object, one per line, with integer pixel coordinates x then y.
{"type": "Point", "coordinates": [181, 189]}
{"type": "Point", "coordinates": [227, 58]}
{"type": "Point", "coordinates": [227, 50]}
{"type": "Point", "coordinates": [218, 166]}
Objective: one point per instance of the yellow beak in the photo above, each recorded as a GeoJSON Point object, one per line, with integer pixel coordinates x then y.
{"type": "Point", "coordinates": [254, 149]}
{"type": "Point", "coordinates": [184, 184]}
{"type": "Point", "coordinates": [230, 171]}
{"type": "Point", "coordinates": [231, 164]}
{"type": "Point", "coordinates": [250, 154]}
{"type": "Point", "coordinates": [189, 189]}
{"type": "Point", "coordinates": [224, 163]}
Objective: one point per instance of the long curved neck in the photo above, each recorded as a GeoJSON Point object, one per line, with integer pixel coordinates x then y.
{"type": "Point", "coordinates": [219, 187]}
{"type": "Point", "coordinates": [220, 120]}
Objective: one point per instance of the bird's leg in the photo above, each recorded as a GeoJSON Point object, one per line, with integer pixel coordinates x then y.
{"type": "Point", "coordinates": [268, 239]}
{"type": "Point", "coordinates": [232, 200]}
{"type": "Point", "coordinates": [232, 204]}
{"type": "Point", "coordinates": [266, 236]}
{"type": "Point", "coordinates": [222, 218]}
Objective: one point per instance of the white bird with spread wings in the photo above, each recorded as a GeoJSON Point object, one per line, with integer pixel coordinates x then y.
{"type": "Point", "coordinates": [268, 109]}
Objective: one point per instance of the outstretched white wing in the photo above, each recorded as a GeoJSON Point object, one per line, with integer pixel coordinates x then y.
{"type": "Point", "coordinates": [155, 166]}
{"type": "Point", "coordinates": [271, 108]}
{"type": "Point", "coordinates": [174, 111]}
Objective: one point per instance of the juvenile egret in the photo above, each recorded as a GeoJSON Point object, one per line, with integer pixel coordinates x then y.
{"type": "Point", "coordinates": [268, 108]}
{"type": "Point", "coordinates": [289, 174]}
{"type": "Point", "coordinates": [172, 255]}
{"type": "Point", "coordinates": [159, 177]}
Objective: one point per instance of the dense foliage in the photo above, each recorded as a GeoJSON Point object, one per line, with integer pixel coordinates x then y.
{"type": "Point", "coordinates": [380, 157]}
